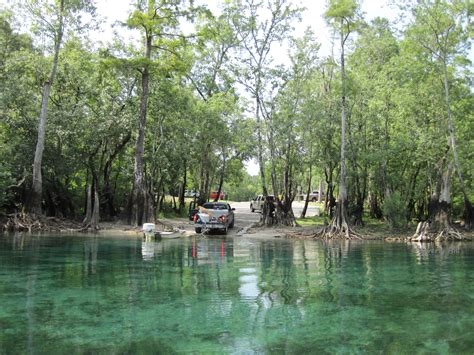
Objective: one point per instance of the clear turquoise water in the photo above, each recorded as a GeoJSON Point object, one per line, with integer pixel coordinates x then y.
{"type": "Point", "coordinates": [85, 294]}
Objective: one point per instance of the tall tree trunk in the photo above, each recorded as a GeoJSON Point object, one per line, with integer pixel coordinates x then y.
{"type": "Point", "coordinates": [340, 221]}
{"type": "Point", "coordinates": [357, 212]}
{"type": "Point", "coordinates": [87, 219]}
{"type": "Point", "coordinates": [156, 197]}
{"type": "Point", "coordinates": [374, 208]}
{"type": "Point", "coordinates": [266, 217]}
{"type": "Point", "coordinates": [308, 191]}
{"type": "Point", "coordinates": [221, 178]}
{"type": "Point", "coordinates": [204, 185]}
{"type": "Point", "coordinates": [468, 212]}
{"type": "Point", "coordinates": [260, 149]}
{"type": "Point", "coordinates": [96, 210]}
{"type": "Point", "coordinates": [273, 159]}
{"type": "Point", "coordinates": [182, 189]}
{"type": "Point", "coordinates": [284, 211]}
{"type": "Point", "coordinates": [34, 203]}
{"type": "Point", "coordinates": [91, 221]}
{"type": "Point", "coordinates": [340, 224]}
{"type": "Point", "coordinates": [162, 199]}
{"type": "Point", "coordinates": [107, 191]}
{"type": "Point", "coordinates": [411, 193]}
{"type": "Point", "coordinates": [150, 212]}
{"type": "Point", "coordinates": [174, 204]}
{"type": "Point", "coordinates": [438, 227]}
{"type": "Point", "coordinates": [283, 214]}
{"type": "Point", "coordinates": [108, 196]}
{"type": "Point", "coordinates": [139, 199]}
{"type": "Point", "coordinates": [330, 201]}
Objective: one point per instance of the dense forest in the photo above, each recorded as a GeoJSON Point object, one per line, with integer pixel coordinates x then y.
{"type": "Point", "coordinates": [99, 132]}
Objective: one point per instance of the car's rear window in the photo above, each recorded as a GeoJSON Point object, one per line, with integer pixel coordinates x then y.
{"type": "Point", "coordinates": [215, 206]}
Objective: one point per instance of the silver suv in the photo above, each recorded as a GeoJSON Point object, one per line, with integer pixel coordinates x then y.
{"type": "Point", "coordinates": [257, 203]}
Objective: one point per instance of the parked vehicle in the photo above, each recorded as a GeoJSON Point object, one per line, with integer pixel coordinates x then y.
{"type": "Point", "coordinates": [313, 196]}
{"type": "Point", "coordinates": [257, 203]}
{"type": "Point", "coordinates": [214, 215]}
{"type": "Point", "coordinates": [213, 195]}
{"type": "Point", "coordinates": [191, 193]}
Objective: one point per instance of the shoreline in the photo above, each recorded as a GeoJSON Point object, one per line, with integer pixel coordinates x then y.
{"type": "Point", "coordinates": [250, 230]}
{"type": "Point", "coordinates": [269, 233]}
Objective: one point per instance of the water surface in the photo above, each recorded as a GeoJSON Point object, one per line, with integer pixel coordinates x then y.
{"type": "Point", "coordinates": [234, 295]}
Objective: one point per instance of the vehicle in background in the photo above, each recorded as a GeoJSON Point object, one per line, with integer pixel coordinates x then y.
{"type": "Point", "coordinates": [257, 203]}
{"type": "Point", "coordinates": [191, 193]}
{"type": "Point", "coordinates": [213, 195]}
{"type": "Point", "coordinates": [313, 196]}
{"type": "Point", "coordinates": [214, 216]}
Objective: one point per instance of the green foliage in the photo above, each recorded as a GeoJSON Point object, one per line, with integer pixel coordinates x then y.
{"type": "Point", "coordinates": [200, 128]}
{"type": "Point", "coordinates": [341, 8]}
{"type": "Point", "coordinates": [243, 188]}
{"type": "Point", "coordinates": [45, 16]}
{"type": "Point", "coordinates": [394, 210]}
{"type": "Point", "coordinates": [6, 181]}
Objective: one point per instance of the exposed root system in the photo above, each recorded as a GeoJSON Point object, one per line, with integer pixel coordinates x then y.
{"type": "Point", "coordinates": [24, 222]}
{"type": "Point", "coordinates": [332, 232]}
{"type": "Point", "coordinates": [339, 227]}
{"type": "Point", "coordinates": [430, 232]}
{"type": "Point", "coordinates": [89, 228]}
